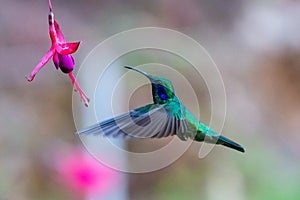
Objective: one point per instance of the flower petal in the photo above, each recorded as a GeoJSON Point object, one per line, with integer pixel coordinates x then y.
{"type": "Point", "coordinates": [67, 48]}
{"type": "Point", "coordinates": [66, 63]}
{"type": "Point", "coordinates": [59, 34]}
{"type": "Point", "coordinates": [56, 60]}
{"type": "Point", "coordinates": [42, 63]}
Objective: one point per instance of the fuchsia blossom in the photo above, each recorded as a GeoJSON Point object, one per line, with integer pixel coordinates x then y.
{"type": "Point", "coordinates": [60, 52]}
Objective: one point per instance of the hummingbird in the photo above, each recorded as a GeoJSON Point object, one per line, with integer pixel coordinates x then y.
{"type": "Point", "coordinates": [166, 116]}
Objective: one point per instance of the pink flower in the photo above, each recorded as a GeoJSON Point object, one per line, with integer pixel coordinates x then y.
{"type": "Point", "coordinates": [60, 51]}
{"type": "Point", "coordinates": [84, 175]}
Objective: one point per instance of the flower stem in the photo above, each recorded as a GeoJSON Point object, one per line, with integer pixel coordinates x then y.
{"type": "Point", "coordinates": [50, 5]}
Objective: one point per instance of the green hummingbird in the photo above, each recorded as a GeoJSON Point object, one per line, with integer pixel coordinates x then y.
{"type": "Point", "coordinates": [167, 116]}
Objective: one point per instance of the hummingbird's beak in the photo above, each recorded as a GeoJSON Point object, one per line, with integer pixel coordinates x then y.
{"type": "Point", "coordinates": [140, 71]}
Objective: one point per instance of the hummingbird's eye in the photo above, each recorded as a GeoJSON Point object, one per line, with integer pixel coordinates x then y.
{"type": "Point", "coordinates": [159, 82]}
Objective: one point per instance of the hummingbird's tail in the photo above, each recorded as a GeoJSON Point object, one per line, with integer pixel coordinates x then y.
{"type": "Point", "coordinates": [228, 143]}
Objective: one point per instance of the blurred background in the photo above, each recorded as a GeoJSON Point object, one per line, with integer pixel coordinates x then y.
{"type": "Point", "coordinates": [256, 46]}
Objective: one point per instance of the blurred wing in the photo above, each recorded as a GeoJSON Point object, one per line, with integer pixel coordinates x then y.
{"type": "Point", "coordinates": [150, 121]}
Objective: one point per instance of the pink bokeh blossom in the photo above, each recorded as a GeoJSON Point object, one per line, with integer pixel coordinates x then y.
{"type": "Point", "coordinates": [83, 175]}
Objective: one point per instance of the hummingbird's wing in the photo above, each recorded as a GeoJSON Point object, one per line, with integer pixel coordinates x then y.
{"type": "Point", "coordinates": [150, 121]}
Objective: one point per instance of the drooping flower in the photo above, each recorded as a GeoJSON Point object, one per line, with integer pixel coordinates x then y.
{"type": "Point", "coordinates": [60, 51]}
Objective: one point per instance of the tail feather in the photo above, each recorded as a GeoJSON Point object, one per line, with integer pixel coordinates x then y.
{"type": "Point", "coordinates": [228, 143]}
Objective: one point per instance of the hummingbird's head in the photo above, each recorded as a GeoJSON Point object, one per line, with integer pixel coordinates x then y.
{"type": "Point", "coordinates": [162, 88]}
